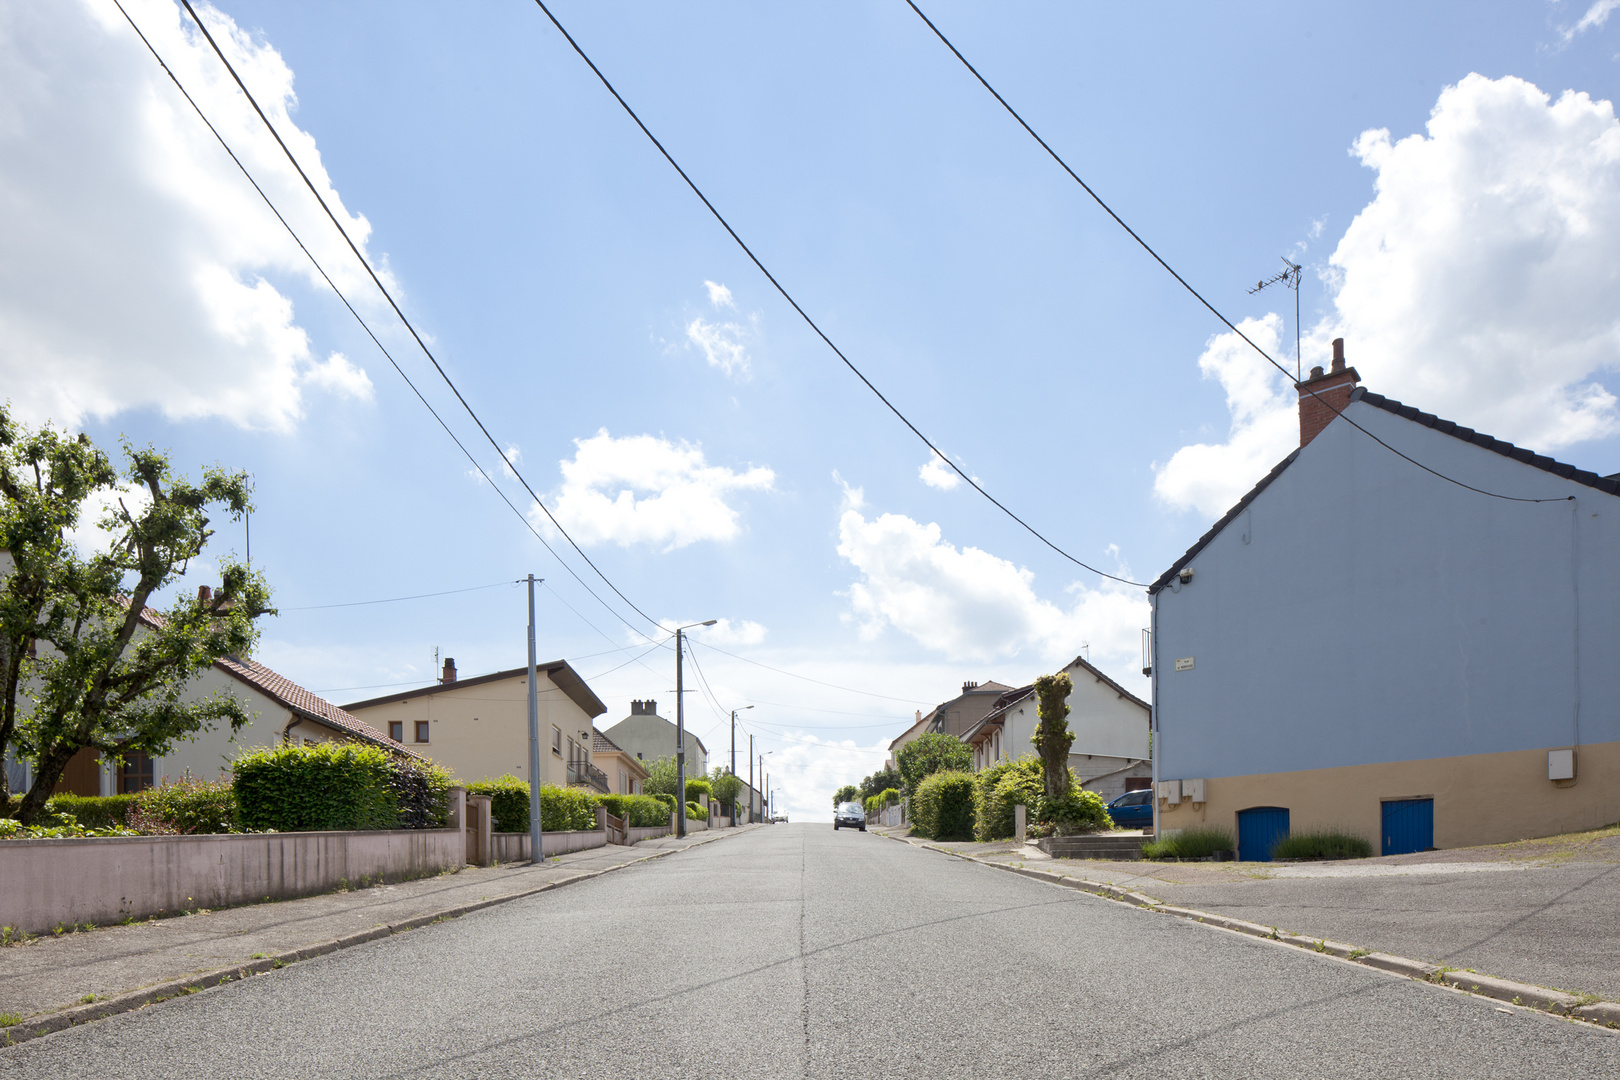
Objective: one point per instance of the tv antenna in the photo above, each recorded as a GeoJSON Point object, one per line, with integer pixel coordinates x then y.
{"type": "Point", "coordinates": [1289, 278]}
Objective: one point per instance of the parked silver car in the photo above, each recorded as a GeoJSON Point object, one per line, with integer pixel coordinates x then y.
{"type": "Point", "coordinates": [849, 814]}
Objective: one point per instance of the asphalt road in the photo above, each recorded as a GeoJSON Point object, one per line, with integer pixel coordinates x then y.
{"type": "Point", "coordinates": [797, 951]}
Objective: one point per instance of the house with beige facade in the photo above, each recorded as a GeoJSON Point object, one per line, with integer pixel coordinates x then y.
{"type": "Point", "coordinates": [624, 771]}
{"type": "Point", "coordinates": [1420, 648]}
{"type": "Point", "coordinates": [478, 727]}
{"type": "Point", "coordinates": [953, 717]}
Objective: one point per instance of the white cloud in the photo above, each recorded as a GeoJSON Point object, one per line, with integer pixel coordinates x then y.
{"type": "Point", "coordinates": [1478, 284]}
{"type": "Point", "coordinates": [132, 275]}
{"type": "Point", "coordinates": [510, 457]}
{"type": "Point", "coordinates": [1265, 425]}
{"type": "Point", "coordinates": [722, 343]}
{"type": "Point", "coordinates": [642, 489]}
{"type": "Point", "coordinates": [969, 604]}
{"type": "Point", "coordinates": [89, 537]}
{"type": "Point", "coordinates": [937, 474]}
{"type": "Point", "coordinates": [719, 295]}
{"type": "Point", "coordinates": [728, 632]}
{"type": "Point", "coordinates": [1595, 17]}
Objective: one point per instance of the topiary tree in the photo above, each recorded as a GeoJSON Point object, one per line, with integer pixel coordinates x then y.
{"type": "Point", "coordinates": [929, 754]}
{"type": "Point", "coordinates": [1052, 737]}
{"type": "Point", "coordinates": [847, 793]}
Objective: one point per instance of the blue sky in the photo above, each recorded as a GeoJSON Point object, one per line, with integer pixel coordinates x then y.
{"type": "Point", "coordinates": [605, 326]}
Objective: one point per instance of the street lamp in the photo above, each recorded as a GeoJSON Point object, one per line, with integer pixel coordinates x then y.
{"type": "Point", "coordinates": [680, 729]}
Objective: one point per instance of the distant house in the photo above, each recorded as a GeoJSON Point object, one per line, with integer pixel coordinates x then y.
{"type": "Point", "coordinates": [281, 711]}
{"type": "Point", "coordinates": [649, 737]}
{"type": "Point", "coordinates": [1111, 729]}
{"type": "Point", "coordinates": [479, 727]}
{"type": "Point", "coordinates": [1361, 643]}
{"type": "Point", "coordinates": [624, 771]}
{"type": "Point", "coordinates": [953, 717]}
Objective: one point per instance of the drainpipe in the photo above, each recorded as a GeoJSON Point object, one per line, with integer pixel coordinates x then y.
{"type": "Point", "coordinates": [1157, 748]}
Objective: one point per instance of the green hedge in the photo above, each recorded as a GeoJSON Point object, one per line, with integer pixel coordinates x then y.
{"type": "Point", "coordinates": [562, 809]}
{"type": "Point", "coordinates": [638, 811]}
{"type": "Point", "coordinates": [1002, 787]}
{"type": "Point", "coordinates": [188, 807]}
{"type": "Point", "coordinates": [91, 811]}
{"type": "Point", "coordinates": [698, 786]}
{"type": "Point", "coordinates": [337, 787]}
{"type": "Point", "coordinates": [943, 806]}
{"type": "Point", "coordinates": [694, 812]}
{"type": "Point", "coordinates": [664, 797]}
{"type": "Point", "coordinates": [1081, 812]}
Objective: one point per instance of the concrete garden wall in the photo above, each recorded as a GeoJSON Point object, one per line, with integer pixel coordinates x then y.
{"type": "Point", "coordinates": [514, 846]}
{"type": "Point", "coordinates": [103, 880]}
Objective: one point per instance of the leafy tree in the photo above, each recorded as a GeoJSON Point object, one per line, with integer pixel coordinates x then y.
{"type": "Point", "coordinates": [77, 639]}
{"type": "Point", "coordinates": [661, 777]}
{"type": "Point", "coordinates": [1052, 735]}
{"type": "Point", "coordinates": [847, 793]}
{"type": "Point", "coordinates": [881, 780]}
{"type": "Point", "coordinates": [726, 788]}
{"type": "Point", "coordinates": [929, 754]}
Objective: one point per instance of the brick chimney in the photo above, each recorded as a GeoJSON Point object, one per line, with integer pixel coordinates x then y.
{"type": "Point", "coordinates": [449, 675]}
{"type": "Point", "coordinates": [969, 686]}
{"type": "Point", "coordinates": [1332, 388]}
{"type": "Point", "coordinates": [644, 708]}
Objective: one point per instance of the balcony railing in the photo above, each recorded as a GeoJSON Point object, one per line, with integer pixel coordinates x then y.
{"type": "Point", "coordinates": [583, 772]}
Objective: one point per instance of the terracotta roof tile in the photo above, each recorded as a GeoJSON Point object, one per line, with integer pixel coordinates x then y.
{"type": "Point", "coordinates": [304, 703]}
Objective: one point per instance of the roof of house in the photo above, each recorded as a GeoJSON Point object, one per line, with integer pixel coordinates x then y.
{"type": "Point", "coordinates": [926, 718]}
{"type": "Point", "coordinates": [1082, 662]}
{"type": "Point", "coordinates": [601, 744]}
{"type": "Point", "coordinates": [701, 745]}
{"type": "Point", "coordinates": [559, 672]}
{"type": "Point", "coordinates": [1608, 484]}
{"type": "Point", "coordinates": [303, 703]}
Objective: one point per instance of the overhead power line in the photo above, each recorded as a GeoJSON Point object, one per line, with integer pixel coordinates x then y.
{"type": "Point", "coordinates": [1134, 235]}
{"type": "Point", "coordinates": [397, 599]}
{"type": "Point", "coordinates": [398, 311]}
{"type": "Point", "coordinates": [915, 430]}
{"type": "Point", "coordinates": [363, 324]}
{"type": "Point", "coordinates": [818, 682]}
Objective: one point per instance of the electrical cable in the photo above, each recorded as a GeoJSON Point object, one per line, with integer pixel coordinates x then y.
{"type": "Point", "coordinates": [1183, 281]}
{"type": "Point", "coordinates": [805, 316]}
{"type": "Point", "coordinates": [366, 264]}
{"type": "Point", "coordinates": [818, 682]}
{"type": "Point", "coordinates": [397, 599]}
{"type": "Point", "coordinates": [363, 324]}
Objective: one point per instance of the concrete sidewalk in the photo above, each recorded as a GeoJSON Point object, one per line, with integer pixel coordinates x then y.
{"type": "Point", "coordinates": [48, 974]}
{"type": "Point", "coordinates": [1545, 912]}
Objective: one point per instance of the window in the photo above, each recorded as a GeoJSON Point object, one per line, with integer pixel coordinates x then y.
{"type": "Point", "coordinates": [396, 730]}
{"type": "Point", "coordinates": [421, 731]}
{"type": "Point", "coordinates": [134, 773]}
{"type": "Point", "coordinates": [556, 740]}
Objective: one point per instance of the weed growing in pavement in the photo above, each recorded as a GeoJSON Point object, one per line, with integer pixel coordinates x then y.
{"type": "Point", "coordinates": [9, 1020]}
{"type": "Point", "coordinates": [1357, 954]}
{"type": "Point", "coordinates": [257, 956]}
{"type": "Point", "coordinates": [277, 964]}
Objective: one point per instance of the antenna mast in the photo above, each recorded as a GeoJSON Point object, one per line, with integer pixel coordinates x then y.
{"type": "Point", "coordinates": [1289, 278]}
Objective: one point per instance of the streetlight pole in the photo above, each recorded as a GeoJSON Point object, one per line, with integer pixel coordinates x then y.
{"type": "Point", "coordinates": [750, 778]}
{"type": "Point", "coordinates": [734, 754]}
{"type": "Point", "coordinates": [680, 729]}
{"type": "Point", "coordinates": [536, 852]}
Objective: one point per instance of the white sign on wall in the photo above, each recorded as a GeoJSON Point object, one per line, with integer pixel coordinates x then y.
{"type": "Point", "coordinates": [1184, 664]}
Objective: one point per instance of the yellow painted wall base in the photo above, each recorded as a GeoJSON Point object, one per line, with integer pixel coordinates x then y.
{"type": "Point", "coordinates": [1478, 799]}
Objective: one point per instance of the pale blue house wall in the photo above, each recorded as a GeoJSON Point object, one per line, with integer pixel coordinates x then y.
{"type": "Point", "coordinates": [1376, 613]}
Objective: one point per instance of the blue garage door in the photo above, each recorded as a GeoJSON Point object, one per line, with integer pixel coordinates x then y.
{"type": "Point", "coordinates": [1408, 826]}
{"type": "Point", "coordinates": [1259, 829]}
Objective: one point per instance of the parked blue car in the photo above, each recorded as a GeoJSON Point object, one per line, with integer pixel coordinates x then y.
{"type": "Point", "coordinates": [1132, 810]}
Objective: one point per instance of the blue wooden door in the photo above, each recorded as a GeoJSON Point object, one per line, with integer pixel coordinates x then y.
{"type": "Point", "coordinates": [1408, 826]}
{"type": "Point", "coordinates": [1259, 828]}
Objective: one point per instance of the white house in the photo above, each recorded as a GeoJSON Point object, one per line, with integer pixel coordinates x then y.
{"type": "Point", "coordinates": [1111, 729]}
{"type": "Point", "coordinates": [1372, 644]}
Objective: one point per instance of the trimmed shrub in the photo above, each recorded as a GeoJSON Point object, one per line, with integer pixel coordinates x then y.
{"type": "Point", "coordinates": [562, 809]}
{"type": "Point", "coordinates": [888, 797]}
{"type": "Point", "coordinates": [944, 806]}
{"type": "Point", "coordinates": [698, 786]}
{"type": "Point", "coordinates": [695, 812]}
{"type": "Point", "coordinates": [638, 811]}
{"type": "Point", "coordinates": [185, 807]}
{"type": "Point", "coordinates": [1322, 844]}
{"type": "Point", "coordinates": [664, 797]}
{"type": "Point", "coordinates": [1199, 843]}
{"type": "Point", "coordinates": [91, 811]}
{"type": "Point", "coordinates": [1080, 811]}
{"type": "Point", "coordinates": [320, 788]}
{"type": "Point", "coordinates": [871, 806]}
{"type": "Point", "coordinates": [1002, 787]}
{"type": "Point", "coordinates": [508, 802]}
{"type": "Point", "coordinates": [422, 793]}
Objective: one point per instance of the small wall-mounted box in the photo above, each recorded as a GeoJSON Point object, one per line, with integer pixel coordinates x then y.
{"type": "Point", "coordinates": [1560, 764]}
{"type": "Point", "coordinates": [1193, 790]}
{"type": "Point", "coordinates": [1170, 790]}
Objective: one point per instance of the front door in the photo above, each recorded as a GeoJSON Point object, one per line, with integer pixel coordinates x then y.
{"type": "Point", "coordinates": [1408, 826]}
{"type": "Point", "coordinates": [1259, 829]}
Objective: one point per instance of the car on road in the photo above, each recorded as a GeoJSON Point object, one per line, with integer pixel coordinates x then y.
{"type": "Point", "coordinates": [849, 815]}
{"type": "Point", "coordinates": [1132, 810]}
